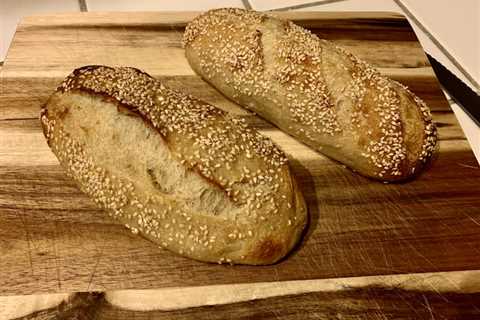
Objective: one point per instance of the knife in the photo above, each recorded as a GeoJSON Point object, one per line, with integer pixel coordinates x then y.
{"type": "Point", "coordinates": [463, 95]}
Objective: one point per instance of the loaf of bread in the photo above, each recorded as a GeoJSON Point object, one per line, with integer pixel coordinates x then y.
{"type": "Point", "coordinates": [186, 175]}
{"type": "Point", "coordinates": [314, 91]}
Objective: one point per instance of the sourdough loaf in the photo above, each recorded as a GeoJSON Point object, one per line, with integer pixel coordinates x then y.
{"type": "Point", "coordinates": [313, 90]}
{"type": "Point", "coordinates": [186, 175]}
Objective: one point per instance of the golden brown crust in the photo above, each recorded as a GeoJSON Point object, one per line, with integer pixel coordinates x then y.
{"type": "Point", "coordinates": [97, 110]}
{"type": "Point", "coordinates": [313, 90]}
{"type": "Point", "coordinates": [268, 249]}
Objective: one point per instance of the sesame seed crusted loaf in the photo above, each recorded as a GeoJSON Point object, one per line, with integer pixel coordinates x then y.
{"type": "Point", "coordinates": [313, 90]}
{"type": "Point", "coordinates": [183, 173]}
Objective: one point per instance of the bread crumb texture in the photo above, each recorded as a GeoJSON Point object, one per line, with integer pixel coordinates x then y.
{"type": "Point", "coordinates": [314, 90]}
{"type": "Point", "coordinates": [183, 173]}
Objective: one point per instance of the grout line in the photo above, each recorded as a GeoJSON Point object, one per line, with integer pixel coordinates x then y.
{"type": "Point", "coordinates": [247, 4]}
{"type": "Point", "coordinates": [83, 5]}
{"type": "Point", "coordinates": [306, 5]}
{"type": "Point", "coordinates": [439, 45]}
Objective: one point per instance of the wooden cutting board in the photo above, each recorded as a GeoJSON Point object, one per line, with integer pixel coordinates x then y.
{"type": "Point", "coordinates": [53, 239]}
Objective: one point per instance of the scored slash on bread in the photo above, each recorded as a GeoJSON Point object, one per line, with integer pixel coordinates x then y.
{"type": "Point", "coordinates": [315, 91]}
{"type": "Point", "coordinates": [186, 175]}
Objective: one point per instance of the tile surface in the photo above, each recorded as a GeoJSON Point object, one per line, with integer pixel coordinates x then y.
{"type": "Point", "coordinates": [356, 5]}
{"type": "Point", "coordinates": [456, 27]}
{"type": "Point", "coordinates": [262, 5]}
{"type": "Point", "coordinates": [153, 5]}
{"type": "Point", "coordinates": [11, 11]}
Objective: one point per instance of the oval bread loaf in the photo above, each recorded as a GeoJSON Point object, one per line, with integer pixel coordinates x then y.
{"type": "Point", "coordinates": [183, 173]}
{"type": "Point", "coordinates": [313, 90]}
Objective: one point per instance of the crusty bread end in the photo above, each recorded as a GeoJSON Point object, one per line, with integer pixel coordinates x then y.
{"type": "Point", "coordinates": [313, 90]}
{"type": "Point", "coordinates": [183, 173]}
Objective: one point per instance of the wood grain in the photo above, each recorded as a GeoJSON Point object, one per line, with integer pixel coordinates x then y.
{"type": "Point", "coordinates": [53, 239]}
{"type": "Point", "coordinates": [368, 297]}
{"type": "Point", "coordinates": [367, 303]}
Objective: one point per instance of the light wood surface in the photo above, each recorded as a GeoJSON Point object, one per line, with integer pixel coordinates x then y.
{"type": "Point", "coordinates": [53, 239]}
{"type": "Point", "coordinates": [441, 295]}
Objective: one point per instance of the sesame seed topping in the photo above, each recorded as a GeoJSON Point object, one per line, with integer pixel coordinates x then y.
{"type": "Point", "coordinates": [267, 61]}
{"type": "Point", "coordinates": [215, 139]}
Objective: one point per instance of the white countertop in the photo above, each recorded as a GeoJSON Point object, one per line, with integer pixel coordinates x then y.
{"type": "Point", "coordinates": [450, 33]}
